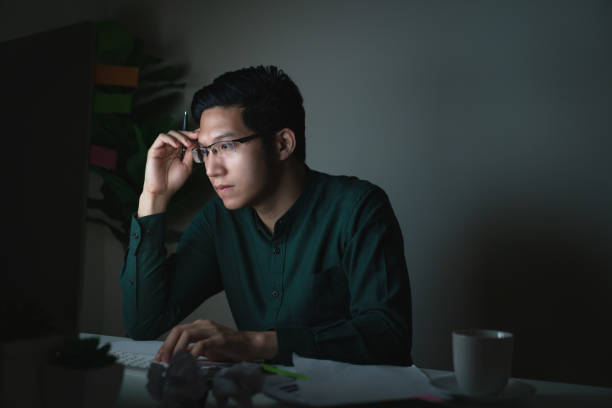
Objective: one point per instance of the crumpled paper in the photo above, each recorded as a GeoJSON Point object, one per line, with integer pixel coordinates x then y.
{"type": "Point", "coordinates": [183, 384]}
{"type": "Point", "coordinates": [179, 385]}
{"type": "Point", "coordinates": [239, 382]}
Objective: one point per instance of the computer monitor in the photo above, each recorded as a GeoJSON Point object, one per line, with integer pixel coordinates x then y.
{"type": "Point", "coordinates": [47, 84]}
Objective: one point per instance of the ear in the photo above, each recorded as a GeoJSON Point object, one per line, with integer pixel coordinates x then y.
{"type": "Point", "coordinates": [285, 143]}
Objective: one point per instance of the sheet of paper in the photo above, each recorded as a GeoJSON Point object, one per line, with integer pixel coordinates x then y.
{"type": "Point", "coordinates": [139, 347]}
{"type": "Point", "coordinates": [335, 383]}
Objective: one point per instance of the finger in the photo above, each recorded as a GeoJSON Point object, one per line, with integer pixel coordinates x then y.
{"type": "Point", "coordinates": [217, 349]}
{"type": "Point", "coordinates": [163, 140]}
{"type": "Point", "coordinates": [183, 137]}
{"type": "Point", "coordinates": [183, 341]}
{"type": "Point", "coordinates": [165, 351]}
{"type": "Point", "coordinates": [197, 349]}
{"type": "Point", "coordinates": [188, 158]}
{"type": "Point", "coordinates": [180, 337]}
{"type": "Point", "coordinates": [194, 335]}
{"type": "Point", "coordinates": [194, 134]}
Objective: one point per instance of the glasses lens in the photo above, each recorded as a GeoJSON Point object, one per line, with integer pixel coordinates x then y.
{"type": "Point", "coordinates": [220, 149]}
{"type": "Point", "coordinates": [198, 154]}
{"type": "Point", "coordinates": [223, 148]}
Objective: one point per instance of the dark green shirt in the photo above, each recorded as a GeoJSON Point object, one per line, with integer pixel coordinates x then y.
{"type": "Point", "coordinates": [331, 280]}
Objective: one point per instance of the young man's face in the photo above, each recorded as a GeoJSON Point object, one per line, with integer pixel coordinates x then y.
{"type": "Point", "coordinates": [239, 177]}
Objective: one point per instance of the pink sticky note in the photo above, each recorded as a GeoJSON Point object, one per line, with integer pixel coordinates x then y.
{"type": "Point", "coordinates": [103, 157]}
{"type": "Point", "coordinates": [428, 398]}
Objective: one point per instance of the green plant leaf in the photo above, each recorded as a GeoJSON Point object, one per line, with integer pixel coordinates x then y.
{"type": "Point", "coordinates": [120, 191]}
{"type": "Point", "coordinates": [169, 73]}
{"type": "Point", "coordinates": [112, 102]}
{"type": "Point", "coordinates": [161, 124]}
{"type": "Point", "coordinates": [120, 233]}
{"type": "Point", "coordinates": [111, 206]}
{"type": "Point", "coordinates": [108, 206]}
{"type": "Point", "coordinates": [157, 107]}
{"type": "Point", "coordinates": [144, 94]}
{"type": "Point", "coordinates": [114, 43]}
{"type": "Point", "coordinates": [135, 168]}
{"type": "Point", "coordinates": [130, 134]}
{"type": "Point", "coordinates": [139, 58]}
{"type": "Point", "coordinates": [122, 198]}
{"type": "Point", "coordinates": [115, 132]}
{"type": "Point", "coordinates": [142, 147]}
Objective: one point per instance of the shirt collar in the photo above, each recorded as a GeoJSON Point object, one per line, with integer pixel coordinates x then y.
{"type": "Point", "coordinates": [284, 222]}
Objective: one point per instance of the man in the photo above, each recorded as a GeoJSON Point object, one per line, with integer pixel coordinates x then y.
{"type": "Point", "coordinates": [310, 263]}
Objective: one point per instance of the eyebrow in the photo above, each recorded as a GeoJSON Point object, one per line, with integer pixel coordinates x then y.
{"type": "Point", "coordinates": [216, 138]}
{"type": "Point", "coordinates": [221, 136]}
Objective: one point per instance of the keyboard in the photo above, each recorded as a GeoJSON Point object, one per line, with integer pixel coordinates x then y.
{"type": "Point", "coordinates": [133, 360]}
{"type": "Point", "coordinates": [143, 361]}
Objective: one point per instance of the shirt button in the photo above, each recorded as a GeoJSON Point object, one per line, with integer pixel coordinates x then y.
{"type": "Point", "coordinates": [276, 251]}
{"type": "Point", "coordinates": [275, 293]}
{"type": "Point", "coordinates": [135, 235]}
{"type": "Point", "coordinates": [131, 283]}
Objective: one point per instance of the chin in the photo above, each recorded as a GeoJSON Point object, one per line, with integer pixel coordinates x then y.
{"type": "Point", "coordinates": [233, 204]}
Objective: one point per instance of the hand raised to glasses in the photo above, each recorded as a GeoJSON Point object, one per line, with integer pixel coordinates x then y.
{"type": "Point", "coordinates": [218, 343]}
{"type": "Point", "coordinates": [165, 172]}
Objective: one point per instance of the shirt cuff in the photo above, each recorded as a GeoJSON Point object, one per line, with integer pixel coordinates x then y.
{"type": "Point", "coordinates": [147, 232]}
{"type": "Point", "coordinates": [300, 340]}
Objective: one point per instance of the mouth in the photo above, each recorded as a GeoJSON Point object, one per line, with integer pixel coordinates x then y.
{"type": "Point", "coordinates": [222, 188]}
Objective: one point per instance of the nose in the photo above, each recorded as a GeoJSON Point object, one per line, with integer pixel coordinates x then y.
{"type": "Point", "coordinates": [214, 165]}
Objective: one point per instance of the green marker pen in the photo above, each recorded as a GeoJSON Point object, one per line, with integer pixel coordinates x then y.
{"type": "Point", "coordinates": [275, 370]}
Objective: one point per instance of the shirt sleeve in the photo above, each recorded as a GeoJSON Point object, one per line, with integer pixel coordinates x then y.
{"type": "Point", "coordinates": [160, 290]}
{"type": "Point", "coordinates": [379, 330]}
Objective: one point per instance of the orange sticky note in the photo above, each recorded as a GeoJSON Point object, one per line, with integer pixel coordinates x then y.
{"type": "Point", "coordinates": [116, 75]}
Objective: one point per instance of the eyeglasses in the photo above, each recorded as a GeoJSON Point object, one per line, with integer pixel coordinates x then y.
{"type": "Point", "coordinates": [220, 149]}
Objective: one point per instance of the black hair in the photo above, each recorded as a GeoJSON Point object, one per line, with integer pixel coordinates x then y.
{"type": "Point", "coordinates": [271, 101]}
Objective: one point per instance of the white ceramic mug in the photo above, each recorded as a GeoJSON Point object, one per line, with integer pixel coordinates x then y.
{"type": "Point", "coordinates": [482, 360]}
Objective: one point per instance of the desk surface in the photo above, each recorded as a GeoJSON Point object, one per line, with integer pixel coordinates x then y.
{"type": "Point", "coordinates": [549, 394]}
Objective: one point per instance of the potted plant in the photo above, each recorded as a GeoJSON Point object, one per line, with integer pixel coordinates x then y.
{"type": "Point", "coordinates": [126, 120]}
{"type": "Point", "coordinates": [82, 374]}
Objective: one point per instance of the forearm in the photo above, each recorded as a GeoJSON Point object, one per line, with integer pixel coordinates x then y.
{"type": "Point", "coordinates": [144, 281]}
{"type": "Point", "coordinates": [149, 204]}
{"type": "Point", "coordinates": [375, 337]}
{"type": "Point", "coordinates": [159, 291]}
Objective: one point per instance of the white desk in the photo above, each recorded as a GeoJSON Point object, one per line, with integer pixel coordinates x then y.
{"type": "Point", "coordinates": [549, 394]}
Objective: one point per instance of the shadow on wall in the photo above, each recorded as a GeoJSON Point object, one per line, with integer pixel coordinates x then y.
{"type": "Point", "coordinates": [544, 278]}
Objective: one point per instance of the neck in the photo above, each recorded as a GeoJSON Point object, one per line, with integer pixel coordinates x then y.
{"type": "Point", "coordinates": [287, 188]}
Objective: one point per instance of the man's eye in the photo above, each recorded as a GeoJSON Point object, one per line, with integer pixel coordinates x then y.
{"type": "Point", "coordinates": [225, 146]}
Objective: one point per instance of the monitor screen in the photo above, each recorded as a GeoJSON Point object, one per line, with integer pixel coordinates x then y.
{"type": "Point", "coordinates": [47, 84]}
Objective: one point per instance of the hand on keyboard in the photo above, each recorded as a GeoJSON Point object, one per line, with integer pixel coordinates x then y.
{"type": "Point", "coordinates": [135, 360]}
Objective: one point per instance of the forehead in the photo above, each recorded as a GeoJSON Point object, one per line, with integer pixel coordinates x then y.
{"type": "Point", "coordinates": [219, 121]}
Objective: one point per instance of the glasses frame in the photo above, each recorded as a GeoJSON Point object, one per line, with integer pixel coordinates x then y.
{"type": "Point", "coordinates": [200, 154]}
